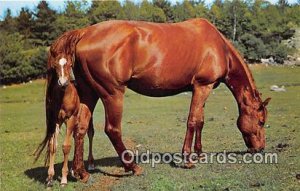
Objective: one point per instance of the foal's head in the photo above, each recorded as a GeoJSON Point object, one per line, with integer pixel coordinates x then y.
{"type": "Point", "coordinates": [62, 64]}
{"type": "Point", "coordinates": [251, 123]}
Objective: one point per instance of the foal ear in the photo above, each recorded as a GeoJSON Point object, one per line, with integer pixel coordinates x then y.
{"type": "Point", "coordinates": [266, 102]}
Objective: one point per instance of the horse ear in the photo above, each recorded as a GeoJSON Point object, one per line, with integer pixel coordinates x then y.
{"type": "Point", "coordinates": [266, 102]}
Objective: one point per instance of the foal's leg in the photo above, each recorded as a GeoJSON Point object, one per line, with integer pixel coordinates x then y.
{"type": "Point", "coordinates": [91, 133]}
{"type": "Point", "coordinates": [79, 133]}
{"type": "Point", "coordinates": [66, 147]}
{"type": "Point", "coordinates": [52, 145]}
{"type": "Point", "coordinates": [195, 121]}
{"type": "Point", "coordinates": [113, 115]}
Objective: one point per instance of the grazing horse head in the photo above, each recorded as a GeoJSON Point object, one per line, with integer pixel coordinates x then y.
{"type": "Point", "coordinates": [251, 123]}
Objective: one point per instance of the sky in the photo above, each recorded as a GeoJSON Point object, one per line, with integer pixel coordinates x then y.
{"type": "Point", "coordinates": [59, 5]}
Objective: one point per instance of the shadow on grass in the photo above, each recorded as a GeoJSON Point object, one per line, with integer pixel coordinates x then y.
{"type": "Point", "coordinates": [40, 173]}
{"type": "Point", "coordinates": [232, 152]}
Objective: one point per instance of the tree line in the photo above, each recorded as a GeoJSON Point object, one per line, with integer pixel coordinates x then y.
{"type": "Point", "coordinates": [256, 27]}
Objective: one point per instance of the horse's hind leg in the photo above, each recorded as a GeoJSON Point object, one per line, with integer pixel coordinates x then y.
{"type": "Point", "coordinates": [195, 121]}
{"type": "Point", "coordinates": [66, 147]}
{"type": "Point", "coordinates": [52, 146]}
{"type": "Point", "coordinates": [79, 133]}
{"type": "Point", "coordinates": [113, 115]}
{"type": "Point", "coordinates": [91, 133]}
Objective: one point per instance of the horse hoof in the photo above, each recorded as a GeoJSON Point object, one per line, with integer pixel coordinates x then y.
{"type": "Point", "coordinates": [189, 165]}
{"type": "Point", "coordinates": [253, 150]}
{"type": "Point", "coordinates": [137, 170]}
{"type": "Point", "coordinates": [50, 183]}
{"type": "Point", "coordinates": [85, 177]}
{"type": "Point", "coordinates": [72, 173]}
{"type": "Point", "coordinates": [91, 167]}
{"type": "Point", "coordinates": [63, 185]}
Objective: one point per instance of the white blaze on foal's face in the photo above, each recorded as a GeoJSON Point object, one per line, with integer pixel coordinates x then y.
{"type": "Point", "coordinates": [62, 62]}
{"type": "Point", "coordinates": [62, 80]}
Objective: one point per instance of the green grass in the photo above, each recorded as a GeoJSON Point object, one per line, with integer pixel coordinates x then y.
{"type": "Point", "coordinates": [158, 124]}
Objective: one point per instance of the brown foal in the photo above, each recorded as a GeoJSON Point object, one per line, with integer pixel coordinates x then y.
{"type": "Point", "coordinates": [73, 114]}
{"type": "Point", "coordinates": [63, 106]}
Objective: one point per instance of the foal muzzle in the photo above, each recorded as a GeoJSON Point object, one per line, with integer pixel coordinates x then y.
{"type": "Point", "coordinates": [63, 82]}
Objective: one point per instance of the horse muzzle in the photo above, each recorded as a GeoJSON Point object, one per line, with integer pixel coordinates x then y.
{"type": "Point", "coordinates": [63, 82]}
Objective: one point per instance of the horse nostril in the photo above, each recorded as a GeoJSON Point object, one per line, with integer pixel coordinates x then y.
{"type": "Point", "coordinates": [62, 82]}
{"type": "Point", "coordinates": [66, 84]}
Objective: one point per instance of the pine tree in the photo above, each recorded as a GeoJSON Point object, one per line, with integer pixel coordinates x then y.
{"type": "Point", "coordinates": [148, 12]}
{"type": "Point", "coordinates": [24, 22]}
{"type": "Point", "coordinates": [184, 11]}
{"type": "Point", "coordinates": [74, 17]}
{"type": "Point", "coordinates": [9, 23]}
{"type": "Point", "coordinates": [104, 10]}
{"type": "Point", "coordinates": [201, 10]}
{"type": "Point", "coordinates": [43, 29]}
{"type": "Point", "coordinates": [165, 5]}
{"type": "Point", "coordinates": [130, 11]}
{"type": "Point", "coordinates": [283, 4]}
{"type": "Point", "coordinates": [13, 65]}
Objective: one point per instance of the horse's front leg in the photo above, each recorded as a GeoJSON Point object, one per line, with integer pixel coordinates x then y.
{"type": "Point", "coordinates": [91, 132]}
{"type": "Point", "coordinates": [80, 130]}
{"type": "Point", "coordinates": [113, 115]}
{"type": "Point", "coordinates": [66, 147]}
{"type": "Point", "coordinates": [195, 122]}
{"type": "Point", "coordinates": [52, 146]}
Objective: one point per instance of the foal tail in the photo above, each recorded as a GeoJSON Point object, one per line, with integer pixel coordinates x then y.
{"type": "Point", "coordinates": [66, 45]}
{"type": "Point", "coordinates": [51, 118]}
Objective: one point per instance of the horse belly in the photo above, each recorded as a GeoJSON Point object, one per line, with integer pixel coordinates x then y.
{"type": "Point", "coordinates": [149, 89]}
{"type": "Point", "coordinates": [162, 80]}
{"type": "Point", "coordinates": [163, 73]}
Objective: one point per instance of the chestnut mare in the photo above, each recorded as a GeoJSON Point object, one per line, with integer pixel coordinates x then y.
{"type": "Point", "coordinates": [159, 60]}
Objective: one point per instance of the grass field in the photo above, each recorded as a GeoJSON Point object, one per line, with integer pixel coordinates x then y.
{"type": "Point", "coordinates": [158, 124]}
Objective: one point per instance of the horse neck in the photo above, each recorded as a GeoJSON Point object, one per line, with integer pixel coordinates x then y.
{"type": "Point", "coordinates": [241, 83]}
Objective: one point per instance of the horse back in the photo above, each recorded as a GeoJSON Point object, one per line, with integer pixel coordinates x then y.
{"type": "Point", "coordinates": [143, 54]}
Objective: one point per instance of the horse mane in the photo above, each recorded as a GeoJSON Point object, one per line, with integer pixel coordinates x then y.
{"type": "Point", "coordinates": [66, 44]}
{"type": "Point", "coordinates": [246, 69]}
{"type": "Point", "coordinates": [238, 57]}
